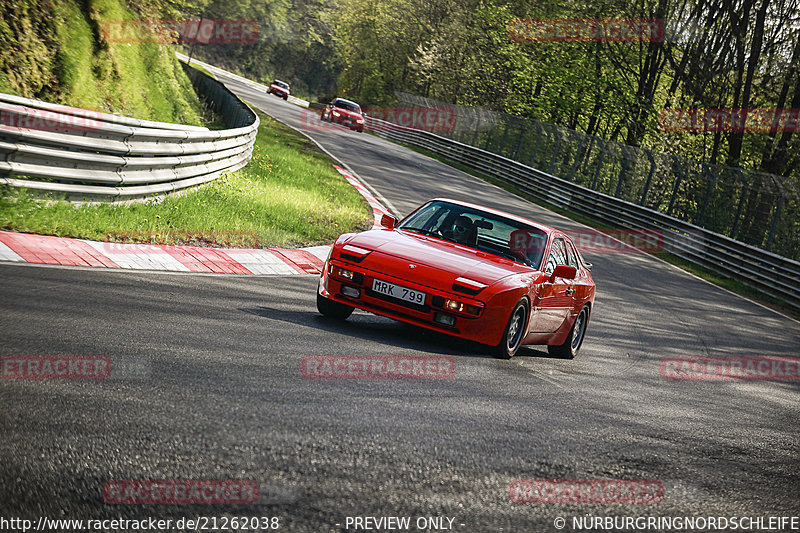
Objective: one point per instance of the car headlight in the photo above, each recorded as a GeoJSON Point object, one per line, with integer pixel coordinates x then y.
{"type": "Point", "coordinates": [360, 121]}
{"type": "Point", "coordinates": [461, 307]}
{"type": "Point", "coordinates": [343, 273]}
{"type": "Point", "coordinates": [336, 114]}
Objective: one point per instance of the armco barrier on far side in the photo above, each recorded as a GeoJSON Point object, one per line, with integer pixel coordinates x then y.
{"type": "Point", "coordinates": [769, 273]}
{"type": "Point", "coordinates": [87, 155]}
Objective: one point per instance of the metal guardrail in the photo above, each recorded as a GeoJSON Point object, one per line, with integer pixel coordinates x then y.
{"type": "Point", "coordinates": [97, 156]}
{"type": "Point", "coordinates": [764, 271]}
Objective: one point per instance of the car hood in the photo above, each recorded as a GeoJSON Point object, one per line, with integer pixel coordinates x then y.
{"type": "Point", "coordinates": [436, 261]}
{"type": "Point", "coordinates": [349, 114]}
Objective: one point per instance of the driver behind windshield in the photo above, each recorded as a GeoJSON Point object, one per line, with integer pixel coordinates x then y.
{"type": "Point", "coordinates": [461, 231]}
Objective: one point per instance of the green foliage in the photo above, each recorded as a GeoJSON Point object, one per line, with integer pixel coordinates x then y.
{"type": "Point", "coordinates": [58, 52]}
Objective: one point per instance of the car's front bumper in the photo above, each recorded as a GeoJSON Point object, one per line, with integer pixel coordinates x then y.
{"type": "Point", "coordinates": [486, 328]}
{"type": "Point", "coordinates": [349, 122]}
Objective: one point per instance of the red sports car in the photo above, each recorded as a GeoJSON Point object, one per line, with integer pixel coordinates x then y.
{"type": "Point", "coordinates": [344, 112]}
{"type": "Point", "coordinates": [279, 88]}
{"type": "Point", "coordinates": [465, 270]}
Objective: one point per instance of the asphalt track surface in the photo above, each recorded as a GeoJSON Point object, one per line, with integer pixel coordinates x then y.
{"type": "Point", "coordinates": [207, 385]}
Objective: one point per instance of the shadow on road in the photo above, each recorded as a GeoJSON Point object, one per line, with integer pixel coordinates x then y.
{"type": "Point", "coordinates": [387, 331]}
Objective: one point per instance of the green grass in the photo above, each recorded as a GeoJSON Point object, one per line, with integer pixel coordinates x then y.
{"type": "Point", "coordinates": [59, 52]}
{"type": "Point", "coordinates": [289, 195]}
{"type": "Point", "coordinates": [730, 284]}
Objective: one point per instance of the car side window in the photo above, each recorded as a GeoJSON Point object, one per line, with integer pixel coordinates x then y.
{"type": "Point", "coordinates": [558, 256]}
{"type": "Point", "coordinates": [572, 256]}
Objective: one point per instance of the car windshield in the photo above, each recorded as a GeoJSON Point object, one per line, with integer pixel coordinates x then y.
{"type": "Point", "coordinates": [349, 106]}
{"type": "Point", "coordinates": [281, 84]}
{"type": "Point", "coordinates": [479, 230]}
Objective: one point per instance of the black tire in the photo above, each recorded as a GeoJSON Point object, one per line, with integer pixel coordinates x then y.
{"type": "Point", "coordinates": [286, 97]}
{"type": "Point", "coordinates": [572, 345]}
{"type": "Point", "coordinates": [514, 331]}
{"type": "Point", "coordinates": [333, 309]}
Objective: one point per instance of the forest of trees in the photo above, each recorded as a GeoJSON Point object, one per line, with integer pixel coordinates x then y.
{"type": "Point", "coordinates": [714, 54]}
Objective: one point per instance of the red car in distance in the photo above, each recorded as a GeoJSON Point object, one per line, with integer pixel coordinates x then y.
{"type": "Point", "coordinates": [279, 88]}
{"type": "Point", "coordinates": [468, 271]}
{"type": "Point", "coordinates": [344, 112]}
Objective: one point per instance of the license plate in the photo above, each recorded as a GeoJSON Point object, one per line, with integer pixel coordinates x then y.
{"type": "Point", "coordinates": [398, 291]}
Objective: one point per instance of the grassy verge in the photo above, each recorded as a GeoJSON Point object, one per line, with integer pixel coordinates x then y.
{"type": "Point", "coordinates": [708, 275]}
{"type": "Point", "coordinates": [73, 52]}
{"type": "Point", "coordinates": [289, 195]}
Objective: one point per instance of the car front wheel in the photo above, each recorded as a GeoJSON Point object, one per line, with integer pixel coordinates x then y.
{"type": "Point", "coordinates": [515, 330]}
{"type": "Point", "coordinates": [333, 309]}
{"type": "Point", "coordinates": [570, 348]}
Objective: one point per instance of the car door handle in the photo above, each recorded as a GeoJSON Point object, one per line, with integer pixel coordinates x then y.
{"type": "Point", "coordinates": [570, 292]}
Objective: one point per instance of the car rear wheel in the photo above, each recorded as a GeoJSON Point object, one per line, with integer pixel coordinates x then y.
{"type": "Point", "coordinates": [570, 348]}
{"type": "Point", "coordinates": [333, 309]}
{"type": "Point", "coordinates": [515, 330]}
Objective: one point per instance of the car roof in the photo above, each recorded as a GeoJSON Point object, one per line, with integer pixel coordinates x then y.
{"type": "Point", "coordinates": [276, 79]}
{"type": "Point", "coordinates": [346, 101]}
{"type": "Point", "coordinates": [524, 220]}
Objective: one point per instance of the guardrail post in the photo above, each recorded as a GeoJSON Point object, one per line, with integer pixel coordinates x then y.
{"type": "Point", "coordinates": [599, 164]}
{"type": "Point", "coordinates": [477, 129]}
{"type": "Point", "coordinates": [711, 182]}
{"type": "Point", "coordinates": [522, 130]}
{"type": "Point", "coordinates": [649, 176]}
{"type": "Point", "coordinates": [625, 163]}
{"type": "Point", "coordinates": [556, 149]}
{"type": "Point", "coordinates": [488, 138]}
{"type": "Point", "coordinates": [745, 190]}
{"type": "Point", "coordinates": [676, 163]}
{"type": "Point", "coordinates": [578, 158]}
{"type": "Point", "coordinates": [535, 152]}
{"type": "Point", "coordinates": [775, 218]}
{"type": "Point", "coordinates": [505, 136]}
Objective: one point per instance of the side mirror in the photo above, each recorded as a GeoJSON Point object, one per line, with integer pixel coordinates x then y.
{"type": "Point", "coordinates": [563, 271]}
{"type": "Point", "coordinates": [388, 221]}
